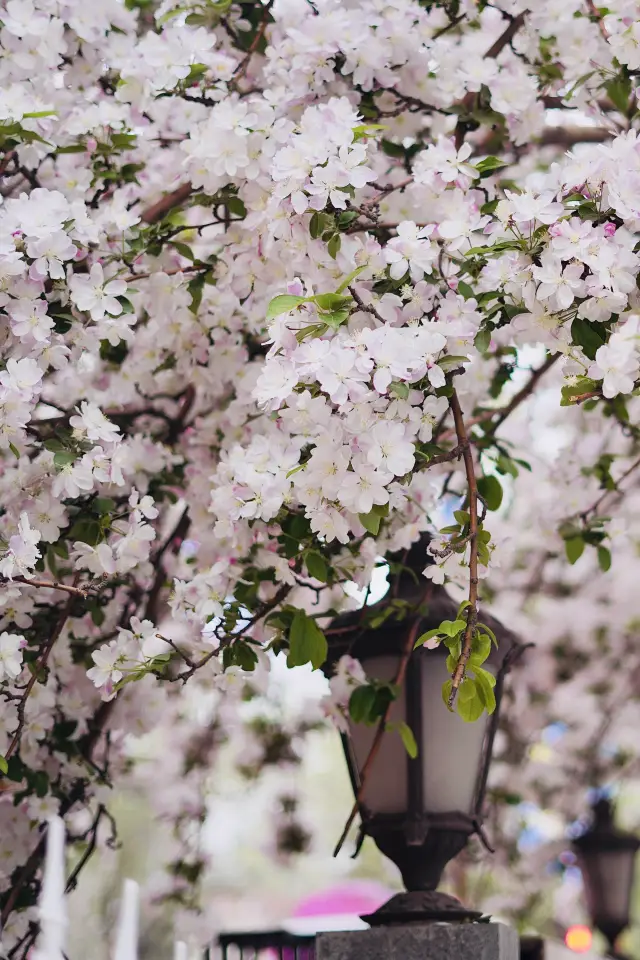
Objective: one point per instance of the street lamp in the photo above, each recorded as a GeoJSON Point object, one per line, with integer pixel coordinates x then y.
{"type": "Point", "coordinates": [606, 856]}
{"type": "Point", "coordinates": [420, 812]}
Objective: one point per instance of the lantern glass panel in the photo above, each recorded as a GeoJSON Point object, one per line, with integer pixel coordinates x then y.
{"type": "Point", "coordinates": [608, 876]}
{"type": "Point", "coordinates": [386, 789]}
{"type": "Point", "coordinates": [453, 748]}
{"type": "Point", "coordinates": [450, 750]}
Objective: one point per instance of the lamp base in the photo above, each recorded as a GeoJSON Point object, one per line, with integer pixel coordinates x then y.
{"type": "Point", "coordinates": [421, 906]}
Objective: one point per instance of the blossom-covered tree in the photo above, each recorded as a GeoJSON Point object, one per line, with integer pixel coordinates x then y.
{"type": "Point", "coordinates": [285, 285]}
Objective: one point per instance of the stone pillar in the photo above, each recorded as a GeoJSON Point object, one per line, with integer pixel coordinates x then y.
{"type": "Point", "coordinates": [428, 941]}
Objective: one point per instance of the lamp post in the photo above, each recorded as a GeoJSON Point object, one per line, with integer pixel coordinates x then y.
{"type": "Point", "coordinates": [606, 856]}
{"type": "Point", "coordinates": [420, 812]}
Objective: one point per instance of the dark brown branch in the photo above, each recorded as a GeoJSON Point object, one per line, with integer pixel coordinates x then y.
{"type": "Point", "coordinates": [567, 137]}
{"type": "Point", "coordinates": [161, 208]}
{"type": "Point", "coordinates": [243, 66]}
{"type": "Point", "coordinates": [37, 670]}
{"type": "Point", "coordinates": [472, 610]}
{"type": "Point", "coordinates": [525, 392]}
{"type": "Point", "coordinates": [505, 38]}
{"type": "Point", "coordinates": [367, 307]}
{"type": "Point", "coordinates": [596, 16]}
{"type": "Point", "coordinates": [261, 612]}
{"type": "Point", "coordinates": [494, 50]}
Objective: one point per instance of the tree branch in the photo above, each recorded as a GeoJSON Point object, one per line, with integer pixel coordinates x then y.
{"type": "Point", "coordinates": [50, 585]}
{"type": "Point", "coordinates": [37, 669]}
{"type": "Point", "coordinates": [472, 610]}
{"type": "Point", "coordinates": [158, 210]}
{"type": "Point", "coordinates": [522, 394]}
{"type": "Point", "coordinates": [494, 50]}
{"type": "Point", "coordinates": [243, 66]}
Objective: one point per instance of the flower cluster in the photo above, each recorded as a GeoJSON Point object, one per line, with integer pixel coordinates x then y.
{"type": "Point", "coordinates": [283, 287]}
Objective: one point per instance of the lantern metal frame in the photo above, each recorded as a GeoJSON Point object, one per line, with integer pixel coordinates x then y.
{"type": "Point", "coordinates": [601, 838]}
{"type": "Point", "coordinates": [419, 843]}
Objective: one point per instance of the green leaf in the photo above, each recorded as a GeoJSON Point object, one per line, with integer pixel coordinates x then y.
{"type": "Point", "coordinates": [489, 632]}
{"type": "Point", "coordinates": [447, 688]}
{"type": "Point", "coordinates": [87, 531]}
{"type": "Point", "coordinates": [336, 319]}
{"type": "Point", "coordinates": [332, 301]}
{"type": "Point", "coordinates": [410, 745]}
{"type": "Point", "coordinates": [334, 245]}
{"type": "Point", "coordinates": [480, 650]}
{"type": "Point", "coordinates": [63, 458]}
{"type": "Point", "coordinates": [467, 690]}
{"type": "Point", "coordinates": [125, 303]}
{"type": "Point", "coordinates": [590, 336]}
{"type": "Point", "coordinates": [317, 566]}
{"type": "Point", "coordinates": [103, 505]}
{"type": "Point", "coordinates": [236, 206]}
{"type": "Point", "coordinates": [319, 223]}
{"type": "Point", "coordinates": [619, 92]}
{"type": "Point", "coordinates": [367, 130]}
{"type": "Point", "coordinates": [4, 766]}
{"type": "Point", "coordinates": [184, 250]}
{"type": "Point", "coordinates": [574, 548]}
{"type": "Point", "coordinates": [399, 389]}
{"type": "Point", "coordinates": [485, 683]}
{"type": "Point", "coordinates": [571, 390]}
{"type": "Point", "coordinates": [472, 709]}
{"type": "Point", "coordinates": [464, 290]}
{"type": "Point", "coordinates": [490, 489]}
{"type": "Point", "coordinates": [482, 340]}
{"type": "Point", "coordinates": [371, 521]}
{"type": "Point", "coordinates": [361, 704]}
{"type": "Point", "coordinates": [451, 628]}
{"type": "Point", "coordinates": [450, 362]}
{"type": "Point", "coordinates": [14, 450]}
{"type": "Point", "coordinates": [307, 642]}
{"type": "Point", "coordinates": [347, 280]}
{"type": "Point", "coordinates": [487, 166]}
{"type": "Point", "coordinates": [284, 303]}
{"type": "Point", "coordinates": [604, 559]}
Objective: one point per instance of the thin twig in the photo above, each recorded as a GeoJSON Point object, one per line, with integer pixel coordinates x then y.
{"type": "Point", "coordinates": [452, 23]}
{"type": "Point", "coordinates": [261, 612]}
{"type": "Point", "coordinates": [595, 14]}
{"type": "Point", "coordinates": [367, 307]}
{"type": "Point", "coordinates": [525, 392]}
{"type": "Point", "coordinates": [472, 609]}
{"type": "Point", "coordinates": [398, 680]}
{"type": "Point", "coordinates": [243, 66]}
{"type": "Point", "coordinates": [503, 412]}
{"type": "Point", "coordinates": [583, 397]}
{"type": "Point", "coordinates": [494, 50]}
{"type": "Point", "coordinates": [189, 662]}
{"type": "Point", "coordinates": [49, 585]}
{"type": "Point", "coordinates": [72, 882]}
{"type": "Point", "coordinates": [37, 669]}
{"type": "Point", "coordinates": [593, 509]}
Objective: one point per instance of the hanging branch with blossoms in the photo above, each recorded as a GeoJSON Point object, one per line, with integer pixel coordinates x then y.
{"type": "Point", "coordinates": [275, 280]}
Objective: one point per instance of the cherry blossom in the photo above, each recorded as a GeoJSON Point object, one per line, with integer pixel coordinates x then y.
{"type": "Point", "coordinates": [285, 287]}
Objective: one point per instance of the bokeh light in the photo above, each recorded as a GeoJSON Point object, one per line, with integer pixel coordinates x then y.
{"type": "Point", "coordinates": [578, 938]}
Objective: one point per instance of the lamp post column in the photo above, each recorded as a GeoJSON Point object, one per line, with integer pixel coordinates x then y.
{"type": "Point", "coordinates": [422, 941]}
